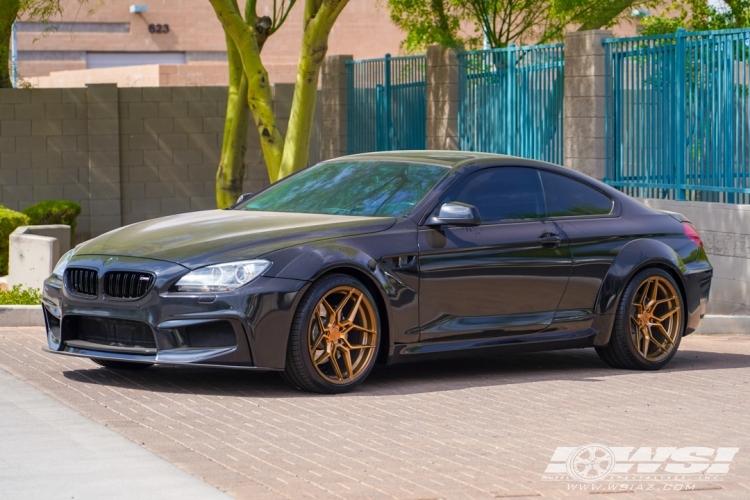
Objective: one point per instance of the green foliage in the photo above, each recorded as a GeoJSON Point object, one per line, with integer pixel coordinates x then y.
{"type": "Point", "coordinates": [428, 22]}
{"type": "Point", "coordinates": [501, 22]}
{"type": "Point", "coordinates": [18, 296]}
{"type": "Point", "coordinates": [698, 15]}
{"type": "Point", "coordinates": [9, 221]}
{"type": "Point", "coordinates": [45, 11]}
{"type": "Point", "coordinates": [54, 212]}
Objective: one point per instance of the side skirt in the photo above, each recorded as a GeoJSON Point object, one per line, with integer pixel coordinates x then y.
{"type": "Point", "coordinates": [403, 353]}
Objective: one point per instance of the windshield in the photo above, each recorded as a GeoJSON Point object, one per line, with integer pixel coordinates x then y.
{"type": "Point", "coordinates": [366, 188]}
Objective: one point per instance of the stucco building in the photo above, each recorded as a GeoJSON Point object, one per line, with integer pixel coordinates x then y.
{"type": "Point", "coordinates": [183, 38]}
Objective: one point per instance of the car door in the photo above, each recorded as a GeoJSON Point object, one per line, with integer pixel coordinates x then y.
{"type": "Point", "coordinates": [584, 216]}
{"type": "Point", "coordinates": [503, 277]}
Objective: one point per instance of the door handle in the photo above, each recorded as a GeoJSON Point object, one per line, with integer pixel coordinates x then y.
{"type": "Point", "coordinates": [549, 240]}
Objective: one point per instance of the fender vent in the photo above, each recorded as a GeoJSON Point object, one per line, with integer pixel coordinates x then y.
{"type": "Point", "coordinates": [127, 285]}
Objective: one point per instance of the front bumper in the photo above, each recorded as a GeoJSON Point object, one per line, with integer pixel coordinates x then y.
{"type": "Point", "coordinates": [247, 328]}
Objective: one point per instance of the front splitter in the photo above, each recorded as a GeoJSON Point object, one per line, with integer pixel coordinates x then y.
{"type": "Point", "coordinates": [185, 357]}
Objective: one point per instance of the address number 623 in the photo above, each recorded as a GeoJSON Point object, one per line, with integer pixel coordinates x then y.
{"type": "Point", "coordinates": [158, 28]}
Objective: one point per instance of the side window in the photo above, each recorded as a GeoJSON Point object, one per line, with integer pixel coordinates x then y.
{"type": "Point", "coordinates": [568, 197]}
{"type": "Point", "coordinates": [501, 193]}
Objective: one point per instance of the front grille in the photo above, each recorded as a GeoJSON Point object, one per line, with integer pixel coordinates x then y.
{"type": "Point", "coordinates": [82, 281]}
{"type": "Point", "coordinates": [109, 331]}
{"type": "Point", "coordinates": [127, 285]}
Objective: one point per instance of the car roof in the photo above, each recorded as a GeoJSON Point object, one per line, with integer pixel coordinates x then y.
{"type": "Point", "coordinates": [455, 159]}
{"type": "Point", "coordinates": [437, 157]}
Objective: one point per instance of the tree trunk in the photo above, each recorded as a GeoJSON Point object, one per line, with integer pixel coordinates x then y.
{"type": "Point", "coordinates": [297, 142]}
{"type": "Point", "coordinates": [319, 19]}
{"type": "Point", "coordinates": [231, 169]}
{"type": "Point", "coordinates": [8, 14]}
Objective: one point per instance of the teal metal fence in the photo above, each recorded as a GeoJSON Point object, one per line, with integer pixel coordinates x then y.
{"type": "Point", "coordinates": [387, 105]}
{"type": "Point", "coordinates": [678, 115]}
{"type": "Point", "coordinates": [511, 101]}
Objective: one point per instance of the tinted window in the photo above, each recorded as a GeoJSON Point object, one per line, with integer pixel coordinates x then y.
{"type": "Point", "coordinates": [369, 188]}
{"type": "Point", "coordinates": [501, 193]}
{"type": "Point", "coordinates": [569, 197]}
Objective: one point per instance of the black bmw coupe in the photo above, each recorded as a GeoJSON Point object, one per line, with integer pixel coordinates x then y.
{"type": "Point", "coordinates": [387, 257]}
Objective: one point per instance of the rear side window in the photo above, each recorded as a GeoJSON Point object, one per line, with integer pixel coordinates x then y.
{"type": "Point", "coordinates": [501, 193]}
{"type": "Point", "coordinates": [568, 197]}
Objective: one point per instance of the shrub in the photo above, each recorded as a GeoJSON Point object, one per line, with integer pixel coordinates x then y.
{"type": "Point", "coordinates": [9, 221]}
{"type": "Point", "coordinates": [54, 212]}
{"type": "Point", "coordinates": [18, 296]}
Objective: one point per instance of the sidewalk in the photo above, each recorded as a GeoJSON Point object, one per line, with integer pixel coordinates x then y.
{"type": "Point", "coordinates": [48, 451]}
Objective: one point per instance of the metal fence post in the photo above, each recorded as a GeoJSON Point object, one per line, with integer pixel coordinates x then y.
{"type": "Point", "coordinates": [510, 101]}
{"type": "Point", "coordinates": [387, 104]}
{"type": "Point", "coordinates": [680, 114]}
{"type": "Point", "coordinates": [351, 103]}
{"type": "Point", "coordinates": [14, 54]}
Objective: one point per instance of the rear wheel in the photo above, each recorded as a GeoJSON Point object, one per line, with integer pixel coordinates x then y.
{"type": "Point", "coordinates": [648, 324]}
{"type": "Point", "coordinates": [120, 365]}
{"type": "Point", "coordinates": [333, 342]}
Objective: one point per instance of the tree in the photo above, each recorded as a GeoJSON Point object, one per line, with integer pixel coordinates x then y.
{"type": "Point", "coordinates": [32, 10]}
{"type": "Point", "coordinates": [9, 10]}
{"type": "Point", "coordinates": [500, 22]}
{"type": "Point", "coordinates": [428, 22]}
{"type": "Point", "coordinates": [698, 15]}
{"type": "Point", "coordinates": [250, 89]}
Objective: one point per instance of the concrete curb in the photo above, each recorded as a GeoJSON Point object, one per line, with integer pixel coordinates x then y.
{"type": "Point", "coordinates": [715, 323]}
{"type": "Point", "coordinates": [21, 316]}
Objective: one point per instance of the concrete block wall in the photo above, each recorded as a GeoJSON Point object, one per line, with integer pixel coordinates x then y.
{"type": "Point", "coordinates": [170, 147]}
{"type": "Point", "coordinates": [725, 231]}
{"type": "Point", "coordinates": [124, 154]}
{"type": "Point", "coordinates": [44, 149]}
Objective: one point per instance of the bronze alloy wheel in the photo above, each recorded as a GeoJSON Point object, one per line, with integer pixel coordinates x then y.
{"type": "Point", "coordinates": [655, 318]}
{"type": "Point", "coordinates": [648, 323]}
{"type": "Point", "coordinates": [342, 334]}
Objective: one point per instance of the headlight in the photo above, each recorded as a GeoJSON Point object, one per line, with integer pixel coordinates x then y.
{"type": "Point", "coordinates": [63, 263]}
{"type": "Point", "coordinates": [222, 277]}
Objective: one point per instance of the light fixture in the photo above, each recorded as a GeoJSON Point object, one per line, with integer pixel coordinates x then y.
{"type": "Point", "coordinates": [138, 9]}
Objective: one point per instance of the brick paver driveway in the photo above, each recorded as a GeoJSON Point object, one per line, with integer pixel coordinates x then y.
{"type": "Point", "coordinates": [478, 428]}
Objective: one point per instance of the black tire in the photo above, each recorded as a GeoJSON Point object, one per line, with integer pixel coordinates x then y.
{"type": "Point", "coordinates": [121, 365]}
{"type": "Point", "coordinates": [621, 351]}
{"type": "Point", "coordinates": [300, 371]}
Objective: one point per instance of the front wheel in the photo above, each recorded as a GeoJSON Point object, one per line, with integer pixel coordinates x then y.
{"type": "Point", "coordinates": [649, 323]}
{"type": "Point", "coordinates": [334, 339]}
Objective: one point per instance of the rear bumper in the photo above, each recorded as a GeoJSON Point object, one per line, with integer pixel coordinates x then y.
{"type": "Point", "coordinates": [697, 290]}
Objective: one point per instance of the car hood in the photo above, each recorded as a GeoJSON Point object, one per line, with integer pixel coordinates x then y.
{"type": "Point", "coordinates": [201, 238]}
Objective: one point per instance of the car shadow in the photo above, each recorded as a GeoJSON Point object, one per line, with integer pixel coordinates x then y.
{"type": "Point", "coordinates": [413, 378]}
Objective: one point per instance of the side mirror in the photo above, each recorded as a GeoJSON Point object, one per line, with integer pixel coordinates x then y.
{"type": "Point", "coordinates": [244, 197]}
{"type": "Point", "coordinates": [456, 213]}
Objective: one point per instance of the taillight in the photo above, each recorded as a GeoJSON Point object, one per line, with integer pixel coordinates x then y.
{"type": "Point", "coordinates": [692, 233]}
